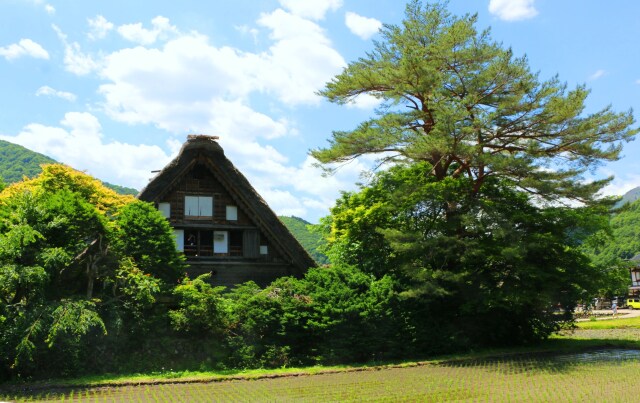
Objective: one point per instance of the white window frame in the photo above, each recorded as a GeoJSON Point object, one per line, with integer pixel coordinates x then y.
{"type": "Point", "coordinates": [198, 206]}
{"type": "Point", "coordinates": [232, 213]}
{"type": "Point", "coordinates": [220, 242]}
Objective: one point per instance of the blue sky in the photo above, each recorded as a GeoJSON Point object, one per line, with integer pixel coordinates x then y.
{"type": "Point", "coordinates": [114, 87]}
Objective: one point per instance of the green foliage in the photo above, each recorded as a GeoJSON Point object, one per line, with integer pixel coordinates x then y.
{"type": "Point", "coordinates": [469, 221]}
{"type": "Point", "coordinates": [624, 240]}
{"type": "Point", "coordinates": [613, 248]}
{"type": "Point", "coordinates": [202, 310]}
{"type": "Point", "coordinates": [146, 236]}
{"type": "Point", "coordinates": [489, 272]}
{"type": "Point", "coordinates": [308, 236]}
{"type": "Point", "coordinates": [334, 314]}
{"type": "Point", "coordinates": [65, 280]}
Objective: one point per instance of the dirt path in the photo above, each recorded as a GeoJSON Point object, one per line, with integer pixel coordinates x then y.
{"type": "Point", "coordinates": [605, 314]}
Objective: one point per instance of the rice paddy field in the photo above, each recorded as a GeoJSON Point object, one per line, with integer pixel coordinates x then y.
{"type": "Point", "coordinates": [602, 373]}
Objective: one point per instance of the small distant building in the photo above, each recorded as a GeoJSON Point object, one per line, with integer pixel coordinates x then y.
{"type": "Point", "coordinates": [220, 222]}
{"type": "Point", "coordinates": [634, 290]}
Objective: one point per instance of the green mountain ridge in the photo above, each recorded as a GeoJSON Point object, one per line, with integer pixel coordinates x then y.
{"type": "Point", "coordinates": [310, 240]}
{"type": "Point", "coordinates": [16, 162]}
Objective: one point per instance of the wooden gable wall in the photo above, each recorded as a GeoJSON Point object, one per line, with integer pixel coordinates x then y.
{"type": "Point", "coordinates": [199, 181]}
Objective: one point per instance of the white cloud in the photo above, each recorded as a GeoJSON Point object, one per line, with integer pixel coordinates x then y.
{"type": "Point", "coordinates": [314, 10]}
{"type": "Point", "coordinates": [48, 91]}
{"type": "Point", "coordinates": [598, 74]}
{"type": "Point", "coordinates": [202, 84]}
{"type": "Point", "coordinates": [137, 34]}
{"type": "Point", "coordinates": [364, 27]}
{"type": "Point", "coordinates": [364, 101]}
{"type": "Point", "coordinates": [47, 7]}
{"type": "Point", "coordinates": [300, 61]}
{"type": "Point", "coordinates": [188, 85]}
{"type": "Point", "coordinates": [75, 60]}
{"type": "Point", "coordinates": [247, 30]}
{"type": "Point", "coordinates": [513, 10]}
{"type": "Point", "coordinates": [99, 26]}
{"type": "Point", "coordinates": [79, 143]}
{"type": "Point", "coordinates": [25, 47]}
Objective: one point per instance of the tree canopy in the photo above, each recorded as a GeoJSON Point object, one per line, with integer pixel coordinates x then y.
{"type": "Point", "coordinates": [454, 98]}
{"type": "Point", "coordinates": [474, 218]}
{"type": "Point", "coordinates": [64, 272]}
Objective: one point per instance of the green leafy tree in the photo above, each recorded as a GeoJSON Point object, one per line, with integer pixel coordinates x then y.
{"type": "Point", "coordinates": [470, 222]}
{"type": "Point", "coordinates": [41, 299]}
{"type": "Point", "coordinates": [202, 308]}
{"type": "Point", "coordinates": [64, 282]}
{"type": "Point", "coordinates": [454, 98]}
{"type": "Point", "coordinates": [493, 276]}
{"type": "Point", "coordinates": [146, 236]}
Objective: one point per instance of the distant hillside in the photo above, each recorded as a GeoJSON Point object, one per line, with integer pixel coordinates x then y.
{"type": "Point", "coordinates": [629, 197]}
{"type": "Point", "coordinates": [309, 240]}
{"type": "Point", "coordinates": [16, 162]}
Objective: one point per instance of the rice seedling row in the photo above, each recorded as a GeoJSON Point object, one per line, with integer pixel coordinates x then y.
{"type": "Point", "coordinates": [519, 379]}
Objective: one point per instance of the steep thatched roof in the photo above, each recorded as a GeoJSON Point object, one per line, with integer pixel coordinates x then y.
{"type": "Point", "coordinates": [206, 150]}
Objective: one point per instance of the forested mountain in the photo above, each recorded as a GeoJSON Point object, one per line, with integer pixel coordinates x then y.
{"type": "Point", "coordinates": [629, 197]}
{"type": "Point", "coordinates": [625, 241]}
{"type": "Point", "coordinates": [309, 240]}
{"type": "Point", "coordinates": [16, 162]}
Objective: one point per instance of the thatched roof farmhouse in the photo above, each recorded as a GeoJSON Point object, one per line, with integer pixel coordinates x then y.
{"type": "Point", "coordinates": [220, 221]}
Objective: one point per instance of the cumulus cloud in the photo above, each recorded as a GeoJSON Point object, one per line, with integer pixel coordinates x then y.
{"type": "Point", "coordinates": [203, 84]}
{"type": "Point", "coordinates": [50, 92]}
{"type": "Point", "coordinates": [99, 27]}
{"type": "Point", "coordinates": [300, 61]}
{"type": "Point", "coordinates": [78, 142]}
{"type": "Point", "coordinates": [364, 27]}
{"type": "Point", "coordinates": [187, 85]}
{"type": "Point", "coordinates": [513, 10]}
{"type": "Point", "coordinates": [25, 47]}
{"type": "Point", "coordinates": [314, 10]}
{"type": "Point", "coordinates": [75, 60]}
{"type": "Point", "coordinates": [162, 29]}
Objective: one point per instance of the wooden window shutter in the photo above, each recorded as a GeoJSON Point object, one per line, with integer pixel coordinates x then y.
{"type": "Point", "coordinates": [251, 243]}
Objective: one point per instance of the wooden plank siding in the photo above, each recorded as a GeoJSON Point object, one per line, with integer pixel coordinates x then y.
{"type": "Point", "coordinates": [207, 185]}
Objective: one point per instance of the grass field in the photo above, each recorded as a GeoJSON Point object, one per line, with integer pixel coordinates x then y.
{"type": "Point", "coordinates": [563, 370]}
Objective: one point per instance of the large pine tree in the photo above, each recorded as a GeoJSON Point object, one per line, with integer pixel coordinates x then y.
{"type": "Point", "coordinates": [458, 100]}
